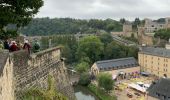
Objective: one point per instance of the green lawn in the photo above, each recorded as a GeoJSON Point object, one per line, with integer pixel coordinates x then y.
{"type": "Point", "coordinates": [101, 94]}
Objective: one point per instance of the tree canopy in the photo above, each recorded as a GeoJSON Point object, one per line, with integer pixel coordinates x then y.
{"type": "Point", "coordinates": [48, 26]}
{"type": "Point", "coordinates": [90, 47]}
{"type": "Point", "coordinates": [163, 34]}
{"type": "Point", "coordinates": [18, 12]}
{"type": "Point", "coordinates": [105, 81]}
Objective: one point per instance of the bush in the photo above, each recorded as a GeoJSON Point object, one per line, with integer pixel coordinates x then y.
{"type": "Point", "coordinates": [84, 79]}
{"type": "Point", "coordinates": [100, 93]}
{"type": "Point", "coordinates": [105, 81]}
{"type": "Point", "coordinates": [82, 67]}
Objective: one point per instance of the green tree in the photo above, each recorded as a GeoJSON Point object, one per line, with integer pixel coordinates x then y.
{"type": "Point", "coordinates": [82, 67]}
{"type": "Point", "coordinates": [106, 38]}
{"type": "Point", "coordinates": [163, 34]}
{"type": "Point", "coordinates": [105, 81]}
{"type": "Point", "coordinates": [18, 12]}
{"type": "Point", "coordinates": [90, 47]}
{"type": "Point", "coordinates": [42, 94]}
{"type": "Point", "coordinates": [110, 27]}
{"type": "Point", "coordinates": [113, 51]}
{"type": "Point", "coordinates": [122, 20]}
{"type": "Point", "coordinates": [84, 79]}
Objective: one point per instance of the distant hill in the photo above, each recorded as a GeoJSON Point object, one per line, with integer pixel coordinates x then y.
{"type": "Point", "coordinates": [47, 26]}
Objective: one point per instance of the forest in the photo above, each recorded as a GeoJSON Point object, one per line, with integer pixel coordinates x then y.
{"type": "Point", "coordinates": [48, 26]}
{"type": "Point", "coordinates": [89, 49]}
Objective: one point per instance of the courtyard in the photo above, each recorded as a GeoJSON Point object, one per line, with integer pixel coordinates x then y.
{"type": "Point", "coordinates": [123, 91]}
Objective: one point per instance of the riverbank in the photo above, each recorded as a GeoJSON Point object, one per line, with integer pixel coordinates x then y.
{"type": "Point", "coordinates": [100, 93]}
{"type": "Point", "coordinates": [83, 93]}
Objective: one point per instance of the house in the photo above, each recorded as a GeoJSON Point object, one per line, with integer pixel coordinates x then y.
{"type": "Point", "coordinates": [159, 90]}
{"type": "Point", "coordinates": [155, 61]}
{"type": "Point", "coordinates": [116, 66]}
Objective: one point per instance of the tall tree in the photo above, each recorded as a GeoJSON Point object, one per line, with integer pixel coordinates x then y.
{"type": "Point", "coordinates": [90, 47]}
{"type": "Point", "coordinates": [18, 12]}
{"type": "Point", "coordinates": [105, 81]}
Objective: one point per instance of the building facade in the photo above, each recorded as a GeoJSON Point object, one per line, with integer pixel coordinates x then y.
{"type": "Point", "coordinates": [155, 61]}
{"type": "Point", "coordinates": [127, 27]}
{"type": "Point", "coordinates": [152, 26]}
{"type": "Point", "coordinates": [159, 90]}
{"type": "Point", "coordinates": [126, 66]}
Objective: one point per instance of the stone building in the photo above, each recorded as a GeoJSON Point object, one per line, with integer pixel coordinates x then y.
{"type": "Point", "coordinates": [116, 66]}
{"type": "Point", "coordinates": [152, 26]}
{"type": "Point", "coordinates": [127, 27]}
{"type": "Point", "coordinates": [155, 61]}
{"type": "Point", "coordinates": [159, 90]}
{"type": "Point", "coordinates": [144, 38]}
{"type": "Point", "coordinates": [20, 71]}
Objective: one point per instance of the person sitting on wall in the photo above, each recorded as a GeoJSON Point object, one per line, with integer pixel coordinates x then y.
{"type": "Point", "coordinates": [13, 46]}
{"type": "Point", "coordinates": [27, 46]}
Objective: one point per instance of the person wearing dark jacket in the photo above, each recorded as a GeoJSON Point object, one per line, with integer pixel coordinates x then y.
{"type": "Point", "coordinates": [6, 44]}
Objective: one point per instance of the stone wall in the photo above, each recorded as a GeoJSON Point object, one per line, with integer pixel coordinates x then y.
{"type": "Point", "coordinates": [6, 83]}
{"type": "Point", "coordinates": [143, 38]}
{"type": "Point", "coordinates": [33, 70]}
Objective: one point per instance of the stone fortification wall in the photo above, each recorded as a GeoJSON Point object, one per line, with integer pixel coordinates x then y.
{"type": "Point", "coordinates": [6, 76]}
{"type": "Point", "coordinates": [32, 71]}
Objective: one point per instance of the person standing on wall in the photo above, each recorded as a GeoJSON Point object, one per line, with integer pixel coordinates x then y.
{"type": "Point", "coordinates": [6, 44]}
{"type": "Point", "coordinates": [27, 46]}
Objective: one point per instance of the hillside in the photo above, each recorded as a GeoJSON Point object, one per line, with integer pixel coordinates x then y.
{"type": "Point", "coordinates": [47, 26]}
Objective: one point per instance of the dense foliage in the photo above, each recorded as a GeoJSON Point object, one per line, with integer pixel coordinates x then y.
{"type": "Point", "coordinates": [84, 79]}
{"type": "Point", "coordinates": [163, 34]}
{"type": "Point", "coordinates": [47, 26]}
{"type": "Point", "coordinates": [88, 49]}
{"type": "Point", "coordinates": [114, 50]}
{"type": "Point", "coordinates": [82, 67]}
{"type": "Point", "coordinates": [105, 81]}
{"type": "Point", "coordinates": [18, 12]}
{"type": "Point", "coordinates": [100, 93]}
{"type": "Point", "coordinates": [68, 44]}
{"type": "Point", "coordinates": [41, 94]}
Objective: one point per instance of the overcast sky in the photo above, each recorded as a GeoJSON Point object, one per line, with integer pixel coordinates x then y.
{"type": "Point", "coordinates": [102, 9]}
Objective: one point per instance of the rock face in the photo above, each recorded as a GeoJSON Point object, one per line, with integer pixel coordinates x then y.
{"type": "Point", "coordinates": [33, 70]}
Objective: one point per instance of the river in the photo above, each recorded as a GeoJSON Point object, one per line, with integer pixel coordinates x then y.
{"type": "Point", "coordinates": [83, 94]}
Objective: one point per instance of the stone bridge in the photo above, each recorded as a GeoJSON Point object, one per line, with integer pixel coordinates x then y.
{"type": "Point", "coordinates": [20, 71]}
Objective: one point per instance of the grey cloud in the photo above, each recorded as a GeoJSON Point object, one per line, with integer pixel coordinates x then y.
{"type": "Point", "coordinates": [85, 9]}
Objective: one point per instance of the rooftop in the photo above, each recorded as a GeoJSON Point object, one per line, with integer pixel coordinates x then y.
{"type": "Point", "coordinates": [160, 89]}
{"type": "Point", "coordinates": [162, 52]}
{"type": "Point", "coordinates": [117, 63]}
